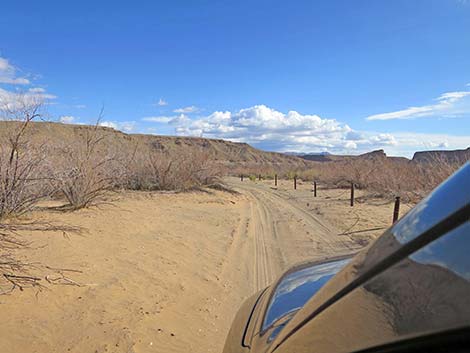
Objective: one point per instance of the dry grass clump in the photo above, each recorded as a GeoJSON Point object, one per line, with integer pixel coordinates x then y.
{"type": "Point", "coordinates": [155, 170]}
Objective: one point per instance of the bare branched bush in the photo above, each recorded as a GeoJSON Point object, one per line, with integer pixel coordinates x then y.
{"type": "Point", "coordinates": [385, 177]}
{"type": "Point", "coordinates": [87, 170]}
{"type": "Point", "coordinates": [159, 171]}
{"type": "Point", "coordinates": [24, 178]}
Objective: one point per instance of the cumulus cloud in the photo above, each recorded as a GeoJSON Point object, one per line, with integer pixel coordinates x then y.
{"type": "Point", "coordinates": [187, 110]}
{"type": "Point", "coordinates": [268, 128]}
{"type": "Point", "coordinates": [8, 74]}
{"type": "Point", "coordinates": [10, 100]}
{"type": "Point", "coordinates": [450, 104]}
{"type": "Point", "coordinates": [110, 124]}
{"type": "Point", "coordinates": [407, 143]}
{"type": "Point", "coordinates": [67, 119]}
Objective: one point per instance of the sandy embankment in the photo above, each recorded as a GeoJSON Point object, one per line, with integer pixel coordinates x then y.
{"type": "Point", "coordinates": [163, 272]}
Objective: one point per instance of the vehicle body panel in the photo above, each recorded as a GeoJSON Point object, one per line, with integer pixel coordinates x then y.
{"type": "Point", "coordinates": [411, 281]}
{"type": "Point", "coordinates": [450, 197]}
{"type": "Point", "coordinates": [427, 292]}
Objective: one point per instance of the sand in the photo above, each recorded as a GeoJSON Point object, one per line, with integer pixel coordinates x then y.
{"type": "Point", "coordinates": [167, 272]}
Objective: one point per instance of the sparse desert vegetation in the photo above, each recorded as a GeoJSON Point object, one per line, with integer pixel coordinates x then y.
{"type": "Point", "coordinates": [78, 173]}
{"type": "Point", "coordinates": [160, 265]}
{"type": "Point", "coordinates": [386, 177]}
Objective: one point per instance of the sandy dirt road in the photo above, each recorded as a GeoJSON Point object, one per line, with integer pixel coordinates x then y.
{"type": "Point", "coordinates": [160, 272]}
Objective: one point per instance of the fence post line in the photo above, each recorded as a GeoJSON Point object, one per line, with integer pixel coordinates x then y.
{"type": "Point", "coordinates": [352, 194]}
{"type": "Point", "coordinates": [295, 182]}
{"type": "Point", "coordinates": [396, 209]}
{"type": "Point", "coordinates": [275, 179]}
{"type": "Point", "coordinates": [314, 189]}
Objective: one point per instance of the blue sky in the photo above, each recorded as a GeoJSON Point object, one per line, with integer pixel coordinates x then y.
{"type": "Point", "coordinates": [338, 76]}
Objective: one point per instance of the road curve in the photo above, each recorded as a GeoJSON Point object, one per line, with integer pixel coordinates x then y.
{"type": "Point", "coordinates": [278, 232]}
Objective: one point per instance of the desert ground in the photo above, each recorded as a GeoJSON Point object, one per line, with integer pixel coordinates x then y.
{"type": "Point", "coordinates": [166, 272]}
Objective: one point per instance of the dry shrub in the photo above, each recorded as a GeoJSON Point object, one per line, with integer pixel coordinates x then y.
{"type": "Point", "coordinates": [385, 177]}
{"type": "Point", "coordinates": [24, 172]}
{"type": "Point", "coordinates": [23, 182]}
{"type": "Point", "coordinates": [87, 170]}
{"type": "Point", "coordinates": [266, 170]}
{"type": "Point", "coordinates": [158, 171]}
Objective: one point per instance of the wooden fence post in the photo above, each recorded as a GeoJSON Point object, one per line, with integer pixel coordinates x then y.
{"type": "Point", "coordinates": [352, 194]}
{"type": "Point", "coordinates": [275, 179]}
{"type": "Point", "coordinates": [295, 182]}
{"type": "Point", "coordinates": [241, 177]}
{"type": "Point", "coordinates": [259, 177]}
{"type": "Point", "coordinates": [314, 189]}
{"type": "Point", "coordinates": [396, 209]}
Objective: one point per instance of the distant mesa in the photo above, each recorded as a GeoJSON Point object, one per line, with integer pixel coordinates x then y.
{"type": "Point", "coordinates": [327, 157]}
{"type": "Point", "coordinates": [455, 156]}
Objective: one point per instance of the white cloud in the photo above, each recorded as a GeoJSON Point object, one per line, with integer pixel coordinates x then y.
{"type": "Point", "coordinates": [187, 110]}
{"type": "Point", "coordinates": [161, 102]}
{"type": "Point", "coordinates": [180, 120]}
{"type": "Point", "coordinates": [450, 104]}
{"type": "Point", "coordinates": [14, 100]}
{"type": "Point", "coordinates": [79, 106]}
{"type": "Point", "coordinates": [8, 74]}
{"type": "Point", "coordinates": [110, 124]}
{"type": "Point", "coordinates": [267, 128]}
{"type": "Point", "coordinates": [125, 126]}
{"type": "Point", "coordinates": [407, 142]}
{"type": "Point", "coordinates": [271, 129]}
{"type": "Point", "coordinates": [158, 119]}
{"type": "Point", "coordinates": [172, 120]}
{"type": "Point", "coordinates": [37, 90]}
{"type": "Point", "coordinates": [67, 119]}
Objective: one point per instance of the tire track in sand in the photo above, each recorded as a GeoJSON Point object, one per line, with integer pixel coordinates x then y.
{"type": "Point", "coordinates": [279, 234]}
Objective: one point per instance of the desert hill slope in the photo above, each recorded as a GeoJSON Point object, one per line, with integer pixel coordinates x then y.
{"type": "Point", "coordinates": [237, 157]}
{"type": "Point", "coordinates": [231, 154]}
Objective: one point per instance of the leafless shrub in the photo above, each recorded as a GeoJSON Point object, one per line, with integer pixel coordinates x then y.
{"type": "Point", "coordinates": [385, 177]}
{"type": "Point", "coordinates": [23, 167]}
{"type": "Point", "coordinates": [88, 170]}
{"type": "Point", "coordinates": [158, 171]}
